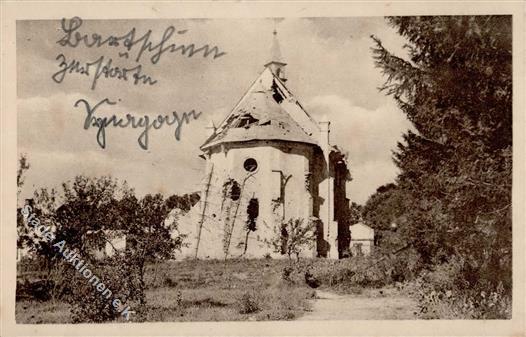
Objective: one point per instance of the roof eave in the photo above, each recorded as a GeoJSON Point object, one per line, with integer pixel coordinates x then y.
{"type": "Point", "coordinates": [275, 62]}
{"type": "Point", "coordinates": [219, 142]}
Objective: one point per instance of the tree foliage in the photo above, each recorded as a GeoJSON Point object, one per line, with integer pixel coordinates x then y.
{"type": "Point", "coordinates": [24, 237]}
{"type": "Point", "coordinates": [23, 166]}
{"type": "Point", "coordinates": [293, 236]}
{"type": "Point", "coordinates": [384, 208]}
{"type": "Point", "coordinates": [87, 213]}
{"type": "Point", "coordinates": [184, 202]}
{"type": "Point", "coordinates": [355, 213]}
{"type": "Point", "coordinates": [456, 89]}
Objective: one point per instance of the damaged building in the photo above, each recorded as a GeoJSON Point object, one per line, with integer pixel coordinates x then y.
{"type": "Point", "coordinates": [268, 162]}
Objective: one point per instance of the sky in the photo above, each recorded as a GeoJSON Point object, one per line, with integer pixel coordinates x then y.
{"type": "Point", "coordinates": [330, 70]}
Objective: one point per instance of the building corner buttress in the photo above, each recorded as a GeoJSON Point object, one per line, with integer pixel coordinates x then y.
{"type": "Point", "coordinates": [330, 227]}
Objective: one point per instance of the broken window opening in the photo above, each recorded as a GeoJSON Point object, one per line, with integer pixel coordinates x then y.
{"type": "Point", "coordinates": [276, 93]}
{"type": "Point", "coordinates": [232, 189]}
{"type": "Point", "coordinates": [252, 214]}
{"type": "Point", "coordinates": [235, 191]}
{"type": "Point", "coordinates": [244, 121]}
{"type": "Point", "coordinates": [308, 182]}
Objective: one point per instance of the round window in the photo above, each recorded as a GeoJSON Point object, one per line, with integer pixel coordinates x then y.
{"type": "Point", "coordinates": [250, 164]}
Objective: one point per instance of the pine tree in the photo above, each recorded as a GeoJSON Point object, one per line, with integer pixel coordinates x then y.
{"type": "Point", "coordinates": [456, 89]}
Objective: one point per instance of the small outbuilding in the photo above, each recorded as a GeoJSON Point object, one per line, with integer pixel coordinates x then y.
{"type": "Point", "coordinates": [362, 239]}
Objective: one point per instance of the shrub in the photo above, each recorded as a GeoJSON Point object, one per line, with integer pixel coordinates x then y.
{"type": "Point", "coordinates": [287, 273]}
{"type": "Point", "coordinates": [89, 305]}
{"type": "Point", "coordinates": [93, 308]}
{"type": "Point", "coordinates": [169, 282]}
{"type": "Point", "coordinates": [444, 293]}
{"type": "Point", "coordinates": [369, 271]}
{"type": "Point", "coordinates": [34, 290]}
{"type": "Point", "coordinates": [249, 303]}
{"type": "Point", "coordinates": [293, 237]}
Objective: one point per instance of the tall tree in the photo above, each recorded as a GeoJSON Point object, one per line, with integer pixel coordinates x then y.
{"type": "Point", "coordinates": [24, 236]}
{"type": "Point", "coordinates": [456, 89]}
{"type": "Point", "coordinates": [149, 236]}
{"type": "Point", "coordinates": [23, 166]}
{"type": "Point", "coordinates": [384, 207]}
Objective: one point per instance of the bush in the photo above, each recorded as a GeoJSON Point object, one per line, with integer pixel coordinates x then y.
{"type": "Point", "coordinates": [249, 303]}
{"type": "Point", "coordinates": [286, 274]}
{"type": "Point", "coordinates": [293, 237]}
{"type": "Point", "coordinates": [89, 305]}
{"type": "Point", "coordinates": [37, 290]}
{"type": "Point", "coordinates": [169, 282]}
{"type": "Point", "coordinates": [444, 293]}
{"type": "Point", "coordinates": [93, 308]}
{"type": "Point", "coordinates": [375, 270]}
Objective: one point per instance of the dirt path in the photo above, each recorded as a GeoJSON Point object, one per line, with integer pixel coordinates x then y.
{"type": "Point", "coordinates": [372, 304]}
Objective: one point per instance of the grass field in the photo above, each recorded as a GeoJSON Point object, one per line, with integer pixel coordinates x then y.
{"type": "Point", "coordinates": [231, 290]}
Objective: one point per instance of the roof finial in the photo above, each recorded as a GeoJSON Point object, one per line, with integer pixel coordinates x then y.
{"type": "Point", "coordinates": [276, 61]}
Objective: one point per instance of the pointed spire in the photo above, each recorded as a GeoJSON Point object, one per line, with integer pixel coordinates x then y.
{"type": "Point", "coordinates": [276, 63]}
{"type": "Point", "coordinates": [275, 52]}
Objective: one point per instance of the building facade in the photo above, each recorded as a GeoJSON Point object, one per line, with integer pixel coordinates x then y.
{"type": "Point", "coordinates": [268, 162]}
{"type": "Point", "coordinates": [362, 239]}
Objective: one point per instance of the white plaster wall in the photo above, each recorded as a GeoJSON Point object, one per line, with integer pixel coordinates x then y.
{"type": "Point", "coordinates": [290, 158]}
{"type": "Point", "coordinates": [359, 231]}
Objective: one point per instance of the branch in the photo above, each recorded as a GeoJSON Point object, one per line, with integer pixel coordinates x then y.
{"type": "Point", "coordinates": [111, 244]}
{"type": "Point", "coordinates": [480, 182]}
{"type": "Point", "coordinates": [498, 210]}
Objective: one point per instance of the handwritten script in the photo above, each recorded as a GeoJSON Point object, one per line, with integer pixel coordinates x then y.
{"type": "Point", "coordinates": [143, 122]}
{"type": "Point", "coordinates": [135, 53]}
{"type": "Point", "coordinates": [131, 45]}
{"type": "Point", "coordinates": [98, 68]}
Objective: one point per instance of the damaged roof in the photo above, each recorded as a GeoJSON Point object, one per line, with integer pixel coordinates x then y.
{"type": "Point", "coordinates": [268, 111]}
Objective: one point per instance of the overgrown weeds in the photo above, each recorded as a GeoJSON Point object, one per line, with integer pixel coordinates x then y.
{"type": "Point", "coordinates": [372, 271]}
{"type": "Point", "coordinates": [444, 293]}
{"type": "Point", "coordinates": [249, 303]}
{"type": "Point", "coordinates": [191, 290]}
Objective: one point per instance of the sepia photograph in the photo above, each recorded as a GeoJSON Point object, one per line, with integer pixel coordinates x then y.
{"type": "Point", "coordinates": [252, 169]}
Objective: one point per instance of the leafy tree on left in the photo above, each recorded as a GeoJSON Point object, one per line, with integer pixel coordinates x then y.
{"type": "Point", "coordinates": [86, 213]}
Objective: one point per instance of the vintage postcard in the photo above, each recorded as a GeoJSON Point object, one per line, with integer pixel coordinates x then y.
{"type": "Point", "coordinates": [234, 168]}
